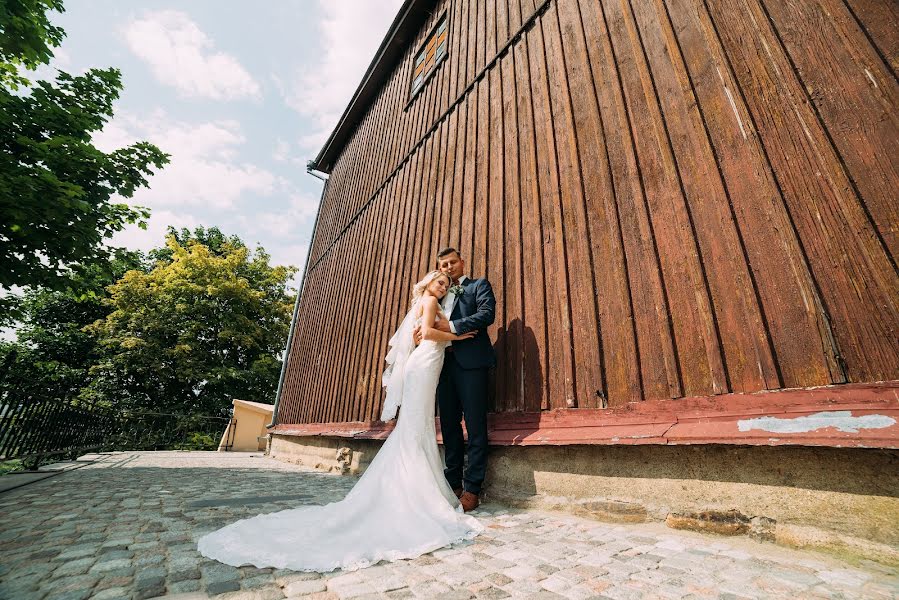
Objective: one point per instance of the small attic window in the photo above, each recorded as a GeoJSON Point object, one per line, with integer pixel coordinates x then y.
{"type": "Point", "coordinates": [432, 52]}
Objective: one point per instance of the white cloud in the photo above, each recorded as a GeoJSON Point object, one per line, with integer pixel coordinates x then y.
{"type": "Point", "coordinates": [291, 254]}
{"type": "Point", "coordinates": [135, 238]}
{"type": "Point", "coordinates": [181, 55]}
{"type": "Point", "coordinates": [350, 35]}
{"type": "Point", "coordinates": [281, 152]}
{"type": "Point", "coordinates": [282, 224]}
{"type": "Point", "coordinates": [204, 170]}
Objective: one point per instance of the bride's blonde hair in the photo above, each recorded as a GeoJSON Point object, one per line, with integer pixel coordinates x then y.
{"type": "Point", "coordinates": [419, 288]}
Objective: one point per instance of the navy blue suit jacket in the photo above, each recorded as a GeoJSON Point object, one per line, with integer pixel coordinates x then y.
{"type": "Point", "coordinates": [474, 309]}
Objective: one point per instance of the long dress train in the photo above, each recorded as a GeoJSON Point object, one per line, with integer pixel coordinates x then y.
{"type": "Point", "coordinates": [401, 507]}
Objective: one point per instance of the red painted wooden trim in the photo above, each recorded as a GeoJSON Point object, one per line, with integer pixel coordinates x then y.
{"type": "Point", "coordinates": [724, 419]}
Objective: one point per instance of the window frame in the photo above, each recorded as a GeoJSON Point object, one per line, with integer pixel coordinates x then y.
{"type": "Point", "coordinates": [422, 54]}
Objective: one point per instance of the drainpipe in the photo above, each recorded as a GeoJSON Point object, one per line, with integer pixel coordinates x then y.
{"type": "Point", "coordinates": [296, 305]}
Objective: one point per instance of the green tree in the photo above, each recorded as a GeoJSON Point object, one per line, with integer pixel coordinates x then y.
{"type": "Point", "coordinates": [53, 354]}
{"type": "Point", "coordinates": [26, 37]}
{"type": "Point", "coordinates": [56, 188]}
{"type": "Point", "coordinates": [217, 242]}
{"type": "Point", "coordinates": [194, 332]}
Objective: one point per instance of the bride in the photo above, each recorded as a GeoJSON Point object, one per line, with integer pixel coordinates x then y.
{"type": "Point", "coordinates": [402, 506]}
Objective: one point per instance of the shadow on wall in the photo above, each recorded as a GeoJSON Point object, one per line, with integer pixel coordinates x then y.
{"type": "Point", "coordinates": [525, 375]}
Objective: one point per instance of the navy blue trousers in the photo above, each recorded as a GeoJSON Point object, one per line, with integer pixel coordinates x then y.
{"type": "Point", "coordinates": [462, 393]}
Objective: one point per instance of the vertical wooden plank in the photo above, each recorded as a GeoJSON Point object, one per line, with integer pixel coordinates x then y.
{"type": "Point", "coordinates": [617, 349]}
{"type": "Point", "coordinates": [555, 238]}
{"type": "Point", "coordinates": [466, 241]}
{"type": "Point", "coordinates": [457, 49]}
{"type": "Point", "coordinates": [378, 349]}
{"type": "Point", "coordinates": [588, 382]}
{"type": "Point", "coordinates": [447, 212]}
{"type": "Point", "coordinates": [402, 97]}
{"type": "Point", "coordinates": [407, 275]}
{"type": "Point", "coordinates": [502, 23]}
{"type": "Point", "coordinates": [326, 325]}
{"type": "Point", "coordinates": [512, 357]}
{"type": "Point", "coordinates": [880, 22]}
{"type": "Point", "coordinates": [320, 316]}
{"type": "Point", "coordinates": [421, 231]}
{"type": "Point", "coordinates": [799, 330]}
{"type": "Point", "coordinates": [857, 281]}
{"type": "Point", "coordinates": [692, 315]}
{"type": "Point", "coordinates": [441, 180]}
{"type": "Point", "coordinates": [657, 358]}
{"type": "Point", "coordinates": [536, 363]}
{"type": "Point", "coordinates": [340, 208]}
{"type": "Point", "coordinates": [329, 208]}
{"type": "Point", "coordinates": [472, 44]}
{"type": "Point", "coordinates": [744, 340]}
{"type": "Point", "coordinates": [490, 29]}
{"type": "Point", "coordinates": [434, 199]}
{"type": "Point", "coordinates": [292, 393]}
{"type": "Point", "coordinates": [856, 98]}
{"type": "Point", "coordinates": [514, 12]}
{"type": "Point", "coordinates": [480, 38]}
{"type": "Point", "coordinates": [369, 289]}
{"type": "Point", "coordinates": [455, 234]}
{"type": "Point", "coordinates": [347, 318]}
{"type": "Point", "coordinates": [360, 287]}
{"type": "Point", "coordinates": [480, 256]}
{"type": "Point", "coordinates": [496, 220]}
{"type": "Point", "coordinates": [388, 143]}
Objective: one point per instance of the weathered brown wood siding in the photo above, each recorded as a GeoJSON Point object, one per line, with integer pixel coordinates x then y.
{"type": "Point", "coordinates": [671, 198]}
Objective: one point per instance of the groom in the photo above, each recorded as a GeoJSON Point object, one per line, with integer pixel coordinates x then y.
{"type": "Point", "coordinates": [462, 390]}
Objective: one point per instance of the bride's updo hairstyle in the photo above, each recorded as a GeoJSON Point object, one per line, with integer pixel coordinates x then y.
{"type": "Point", "coordinates": [419, 288]}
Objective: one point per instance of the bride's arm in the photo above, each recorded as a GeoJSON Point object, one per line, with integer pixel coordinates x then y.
{"type": "Point", "coordinates": [429, 332]}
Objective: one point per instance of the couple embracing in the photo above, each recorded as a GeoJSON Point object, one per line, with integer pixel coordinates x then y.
{"type": "Point", "coordinates": [405, 503]}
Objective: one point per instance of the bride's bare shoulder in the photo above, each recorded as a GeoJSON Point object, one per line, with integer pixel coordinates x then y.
{"type": "Point", "coordinates": [429, 301]}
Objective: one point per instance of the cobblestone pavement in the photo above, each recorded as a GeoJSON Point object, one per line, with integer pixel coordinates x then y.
{"type": "Point", "coordinates": [126, 527]}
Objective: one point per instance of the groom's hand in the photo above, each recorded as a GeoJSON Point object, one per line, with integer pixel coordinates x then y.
{"type": "Point", "coordinates": [416, 335]}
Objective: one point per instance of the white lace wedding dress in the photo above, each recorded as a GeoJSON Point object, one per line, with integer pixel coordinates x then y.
{"type": "Point", "coordinates": [401, 507]}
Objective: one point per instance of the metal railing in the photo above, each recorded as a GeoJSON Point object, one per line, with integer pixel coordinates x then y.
{"type": "Point", "coordinates": [32, 429]}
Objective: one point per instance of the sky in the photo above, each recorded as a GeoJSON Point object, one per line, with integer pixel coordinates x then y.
{"type": "Point", "coordinates": [240, 95]}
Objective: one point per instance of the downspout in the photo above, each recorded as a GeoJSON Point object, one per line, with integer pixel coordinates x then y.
{"type": "Point", "coordinates": [296, 304]}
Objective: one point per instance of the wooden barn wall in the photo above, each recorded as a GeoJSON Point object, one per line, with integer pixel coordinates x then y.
{"type": "Point", "coordinates": [671, 198]}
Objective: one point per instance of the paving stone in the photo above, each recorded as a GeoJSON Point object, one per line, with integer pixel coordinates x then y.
{"type": "Point", "coordinates": [74, 567]}
{"type": "Point", "coordinates": [305, 587]}
{"type": "Point", "coordinates": [220, 587]}
{"type": "Point", "coordinates": [183, 587]}
{"type": "Point", "coordinates": [117, 593]}
{"type": "Point", "coordinates": [135, 535]}
{"type": "Point", "coordinates": [149, 585]}
{"type": "Point", "coordinates": [146, 560]}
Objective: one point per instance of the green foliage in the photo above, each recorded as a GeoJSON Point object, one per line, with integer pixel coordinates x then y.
{"type": "Point", "coordinates": [217, 242]}
{"type": "Point", "coordinates": [56, 187]}
{"type": "Point", "coordinates": [26, 37]}
{"type": "Point", "coordinates": [194, 332]}
{"type": "Point", "coordinates": [9, 466]}
{"type": "Point", "coordinates": [53, 354]}
{"type": "Point", "coordinates": [198, 441]}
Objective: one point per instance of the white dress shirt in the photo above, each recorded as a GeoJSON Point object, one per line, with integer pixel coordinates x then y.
{"type": "Point", "coordinates": [449, 303]}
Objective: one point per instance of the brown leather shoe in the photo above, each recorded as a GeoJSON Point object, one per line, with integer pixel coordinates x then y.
{"type": "Point", "coordinates": [458, 492]}
{"type": "Point", "coordinates": [469, 501]}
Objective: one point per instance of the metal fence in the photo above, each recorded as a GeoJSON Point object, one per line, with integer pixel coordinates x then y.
{"type": "Point", "coordinates": [32, 429]}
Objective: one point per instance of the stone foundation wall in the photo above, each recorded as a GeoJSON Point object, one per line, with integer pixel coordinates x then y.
{"type": "Point", "coordinates": [840, 500]}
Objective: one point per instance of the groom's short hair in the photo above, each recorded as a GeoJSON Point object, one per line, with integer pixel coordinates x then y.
{"type": "Point", "coordinates": [446, 252]}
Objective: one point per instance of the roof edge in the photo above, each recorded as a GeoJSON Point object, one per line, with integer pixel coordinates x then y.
{"type": "Point", "coordinates": [405, 26]}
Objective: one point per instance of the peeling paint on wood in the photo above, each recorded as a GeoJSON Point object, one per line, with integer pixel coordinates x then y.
{"type": "Point", "coordinates": [840, 420]}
